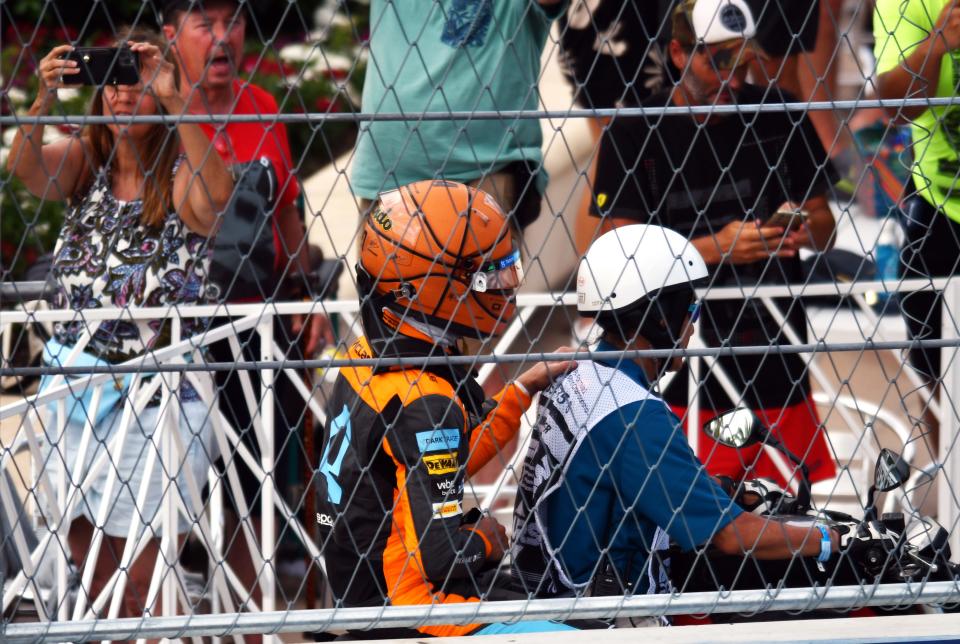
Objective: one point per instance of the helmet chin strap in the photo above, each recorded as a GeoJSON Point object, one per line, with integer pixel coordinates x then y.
{"type": "Point", "coordinates": [443, 337]}
{"type": "Point", "coordinates": [654, 335]}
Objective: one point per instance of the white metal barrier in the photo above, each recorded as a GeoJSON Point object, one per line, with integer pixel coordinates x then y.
{"type": "Point", "coordinates": [61, 496]}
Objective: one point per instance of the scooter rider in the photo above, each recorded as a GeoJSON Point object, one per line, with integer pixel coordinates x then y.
{"type": "Point", "coordinates": [609, 473]}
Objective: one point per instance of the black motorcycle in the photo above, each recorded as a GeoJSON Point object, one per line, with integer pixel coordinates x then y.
{"type": "Point", "coordinates": [889, 548]}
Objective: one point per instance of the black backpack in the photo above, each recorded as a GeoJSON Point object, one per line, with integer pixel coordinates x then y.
{"type": "Point", "coordinates": [243, 256]}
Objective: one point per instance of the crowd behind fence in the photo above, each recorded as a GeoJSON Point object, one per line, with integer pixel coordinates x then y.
{"type": "Point", "coordinates": [286, 316]}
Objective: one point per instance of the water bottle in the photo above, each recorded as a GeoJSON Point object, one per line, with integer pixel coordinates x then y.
{"type": "Point", "coordinates": [887, 257]}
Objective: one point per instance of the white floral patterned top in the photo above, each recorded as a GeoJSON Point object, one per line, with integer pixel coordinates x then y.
{"type": "Point", "coordinates": [105, 257]}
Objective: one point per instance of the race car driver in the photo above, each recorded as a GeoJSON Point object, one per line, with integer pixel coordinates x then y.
{"type": "Point", "coordinates": [437, 265]}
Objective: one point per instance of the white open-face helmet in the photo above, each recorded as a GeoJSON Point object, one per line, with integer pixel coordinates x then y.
{"type": "Point", "coordinates": [640, 278]}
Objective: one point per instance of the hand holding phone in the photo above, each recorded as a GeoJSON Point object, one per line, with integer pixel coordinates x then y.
{"type": "Point", "coordinates": [53, 68]}
{"type": "Point", "coordinates": [103, 66]}
{"type": "Point", "coordinates": [788, 219]}
{"type": "Point", "coordinates": [744, 241]}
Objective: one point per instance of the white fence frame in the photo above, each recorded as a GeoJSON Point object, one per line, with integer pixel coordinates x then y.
{"type": "Point", "coordinates": [261, 318]}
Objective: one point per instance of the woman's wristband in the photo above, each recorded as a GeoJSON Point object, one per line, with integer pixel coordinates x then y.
{"type": "Point", "coordinates": [826, 547]}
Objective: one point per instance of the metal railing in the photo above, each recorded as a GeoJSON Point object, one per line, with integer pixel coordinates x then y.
{"type": "Point", "coordinates": [170, 366]}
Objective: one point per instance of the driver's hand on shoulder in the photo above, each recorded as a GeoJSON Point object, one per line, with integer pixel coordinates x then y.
{"type": "Point", "coordinates": [543, 374]}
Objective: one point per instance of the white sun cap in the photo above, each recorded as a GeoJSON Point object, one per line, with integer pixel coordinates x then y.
{"type": "Point", "coordinates": [716, 21]}
{"type": "Point", "coordinates": [627, 263]}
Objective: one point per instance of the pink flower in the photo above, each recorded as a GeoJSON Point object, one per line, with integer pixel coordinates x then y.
{"type": "Point", "coordinates": [336, 74]}
{"type": "Point", "coordinates": [324, 104]}
{"type": "Point", "coordinates": [249, 63]}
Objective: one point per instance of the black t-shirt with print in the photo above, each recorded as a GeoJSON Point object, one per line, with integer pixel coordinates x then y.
{"type": "Point", "coordinates": [696, 177]}
{"type": "Point", "coordinates": [611, 50]}
{"type": "Point", "coordinates": [786, 27]}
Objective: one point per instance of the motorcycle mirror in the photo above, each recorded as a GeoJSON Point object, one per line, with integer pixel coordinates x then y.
{"type": "Point", "coordinates": [891, 471]}
{"type": "Point", "coordinates": [736, 428]}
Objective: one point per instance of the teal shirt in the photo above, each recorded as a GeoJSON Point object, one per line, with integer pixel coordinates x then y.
{"type": "Point", "coordinates": [443, 56]}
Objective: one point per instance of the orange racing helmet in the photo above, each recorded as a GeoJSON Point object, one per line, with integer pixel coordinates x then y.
{"type": "Point", "coordinates": [445, 252]}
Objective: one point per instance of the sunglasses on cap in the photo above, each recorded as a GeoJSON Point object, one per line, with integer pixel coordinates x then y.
{"type": "Point", "coordinates": [499, 274]}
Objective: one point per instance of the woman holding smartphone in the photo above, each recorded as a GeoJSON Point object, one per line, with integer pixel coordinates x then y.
{"type": "Point", "coordinates": [142, 199]}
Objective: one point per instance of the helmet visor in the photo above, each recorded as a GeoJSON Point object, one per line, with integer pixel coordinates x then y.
{"type": "Point", "coordinates": [505, 274]}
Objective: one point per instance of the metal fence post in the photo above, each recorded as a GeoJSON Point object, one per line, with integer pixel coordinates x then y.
{"type": "Point", "coordinates": [170, 417]}
{"type": "Point", "coordinates": [268, 532]}
{"type": "Point", "coordinates": [947, 511]}
{"type": "Point", "coordinates": [693, 396]}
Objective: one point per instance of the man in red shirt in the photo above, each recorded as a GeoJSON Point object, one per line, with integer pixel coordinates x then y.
{"type": "Point", "coordinates": [207, 38]}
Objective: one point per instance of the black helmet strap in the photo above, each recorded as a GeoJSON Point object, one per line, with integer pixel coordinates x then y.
{"type": "Point", "coordinates": [658, 318]}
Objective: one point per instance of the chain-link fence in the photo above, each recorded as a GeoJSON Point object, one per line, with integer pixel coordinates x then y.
{"type": "Point", "coordinates": [289, 292]}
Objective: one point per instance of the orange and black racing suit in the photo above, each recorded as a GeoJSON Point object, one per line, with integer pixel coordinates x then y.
{"type": "Point", "coordinates": [390, 484]}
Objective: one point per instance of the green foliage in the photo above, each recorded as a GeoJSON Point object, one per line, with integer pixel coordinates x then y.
{"type": "Point", "coordinates": [28, 227]}
{"type": "Point", "coordinates": [320, 77]}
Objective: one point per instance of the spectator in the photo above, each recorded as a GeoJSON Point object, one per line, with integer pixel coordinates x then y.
{"type": "Point", "coordinates": [801, 43]}
{"type": "Point", "coordinates": [707, 177]}
{"type": "Point", "coordinates": [399, 439]}
{"type": "Point", "coordinates": [917, 45]}
{"type": "Point", "coordinates": [613, 55]}
{"type": "Point", "coordinates": [455, 56]}
{"type": "Point", "coordinates": [609, 475]}
{"type": "Point", "coordinates": [139, 212]}
{"type": "Point", "coordinates": [610, 53]}
{"type": "Point", "coordinates": [207, 37]}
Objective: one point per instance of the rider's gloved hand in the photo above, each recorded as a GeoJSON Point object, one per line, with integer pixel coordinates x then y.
{"type": "Point", "coordinates": [868, 545]}
{"type": "Point", "coordinates": [760, 496]}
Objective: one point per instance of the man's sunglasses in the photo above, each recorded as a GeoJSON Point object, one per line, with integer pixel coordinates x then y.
{"type": "Point", "coordinates": [729, 57]}
{"type": "Point", "coordinates": [694, 311]}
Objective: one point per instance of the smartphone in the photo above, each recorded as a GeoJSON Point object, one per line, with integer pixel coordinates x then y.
{"type": "Point", "coordinates": [788, 219]}
{"type": "Point", "coordinates": [104, 66]}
